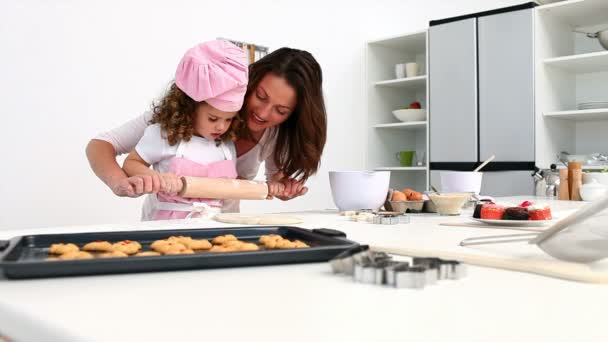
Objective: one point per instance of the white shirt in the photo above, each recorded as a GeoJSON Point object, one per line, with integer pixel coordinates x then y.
{"type": "Point", "coordinates": [154, 149]}
{"type": "Point", "coordinates": [125, 137]}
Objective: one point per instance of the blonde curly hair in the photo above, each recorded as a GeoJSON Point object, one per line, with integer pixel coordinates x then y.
{"type": "Point", "coordinates": [176, 114]}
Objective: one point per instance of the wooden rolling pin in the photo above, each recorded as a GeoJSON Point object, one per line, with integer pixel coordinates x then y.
{"type": "Point", "coordinates": [222, 188]}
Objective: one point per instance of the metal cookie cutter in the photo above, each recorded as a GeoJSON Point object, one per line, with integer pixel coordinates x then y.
{"type": "Point", "coordinates": [412, 278]}
{"type": "Point", "coordinates": [390, 218]}
{"type": "Point", "coordinates": [344, 262]}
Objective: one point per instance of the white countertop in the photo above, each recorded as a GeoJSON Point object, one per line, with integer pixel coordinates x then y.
{"type": "Point", "coordinates": [304, 301]}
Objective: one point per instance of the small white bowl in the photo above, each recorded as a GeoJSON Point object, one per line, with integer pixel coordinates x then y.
{"type": "Point", "coordinates": [407, 115]}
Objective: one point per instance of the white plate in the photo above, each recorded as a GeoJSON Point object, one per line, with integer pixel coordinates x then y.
{"type": "Point", "coordinates": [515, 223]}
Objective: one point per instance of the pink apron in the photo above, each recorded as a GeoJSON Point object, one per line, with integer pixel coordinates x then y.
{"type": "Point", "coordinates": [169, 207]}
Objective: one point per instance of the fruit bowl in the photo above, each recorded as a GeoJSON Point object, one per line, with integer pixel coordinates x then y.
{"type": "Point", "coordinates": [407, 115]}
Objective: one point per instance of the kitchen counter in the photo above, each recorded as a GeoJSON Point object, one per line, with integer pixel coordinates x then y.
{"type": "Point", "coordinates": [304, 301]}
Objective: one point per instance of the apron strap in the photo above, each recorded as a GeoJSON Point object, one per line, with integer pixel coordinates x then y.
{"type": "Point", "coordinates": [181, 148]}
{"type": "Point", "coordinates": [226, 151]}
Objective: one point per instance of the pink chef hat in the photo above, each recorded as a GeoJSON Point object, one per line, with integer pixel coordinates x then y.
{"type": "Point", "coordinates": [214, 72]}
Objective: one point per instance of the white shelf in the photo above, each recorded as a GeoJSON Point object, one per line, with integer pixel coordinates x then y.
{"type": "Point", "coordinates": [586, 167]}
{"type": "Point", "coordinates": [407, 83]}
{"type": "Point", "coordinates": [583, 63]}
{"type": "Point", "coordinates": [580, 115]}
{"type": "Point", "coordinates": [408, 126]}
{"type": "Point", "coordinates": [401, 168]}
{"type": "Point", "coordinates": [413, 42]}
{"type": "Point", "coordinates": [577, 13]}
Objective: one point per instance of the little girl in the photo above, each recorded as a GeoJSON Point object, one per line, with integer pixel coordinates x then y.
{"type": "Point", "coordinates": [192, 129]}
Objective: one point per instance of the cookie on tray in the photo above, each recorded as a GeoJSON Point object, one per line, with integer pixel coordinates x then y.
{"type": "Point", "coordinates": [98, 246]}
{"type": "Point", "coordinates": [76, 255]}
{"type": "Point", "coordinates": [271, 237]}
{"type": "Point", "coordinates": [219, 240]}
{"type": "Point", "coordinates": [62, 248]}
{"type": "Point", "coordinates": [248, 246]}
{"type": "Point", "coordinates": [176, 251]}
{"type": "Point", "coordinates": [148, 253]}
{"type": "Point", "coordinates": [127, 246]}
{"type": "Point", "coordinates": [113, 254]}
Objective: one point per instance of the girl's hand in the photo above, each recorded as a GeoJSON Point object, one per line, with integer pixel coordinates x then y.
{"type": "Point", "coordinates": [172, 183]}
{"type": "Point", "coordinates": [274, 189]}
{"type": "Point", "coordinates": [293, 189]}
{"type": "Point", "coordinates": [137, 185]}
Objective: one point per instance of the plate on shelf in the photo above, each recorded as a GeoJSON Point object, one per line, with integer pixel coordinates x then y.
{"type": "Point", "coordinates": [516, 223]}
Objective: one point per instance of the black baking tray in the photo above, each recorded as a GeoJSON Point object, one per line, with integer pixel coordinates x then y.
{"type": "Point", "coordinates": [24, 256]}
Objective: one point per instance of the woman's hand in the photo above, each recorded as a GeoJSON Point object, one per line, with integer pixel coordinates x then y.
{"type": "Point", "coordinates": [293, 188]}
{"type": "Point", "coordinates": [172, 183]}
{"type": "Point", "coordinates": [136, 186]}
{"type": "Point", "coordinates": [275, 189]}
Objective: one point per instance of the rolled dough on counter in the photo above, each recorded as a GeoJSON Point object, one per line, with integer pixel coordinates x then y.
{"type": "Point", "coordinates": [257, 219]}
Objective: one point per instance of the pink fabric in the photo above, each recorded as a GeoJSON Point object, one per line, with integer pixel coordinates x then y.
{"type": "Point", "coordinates": [185, 167]}
{"type": "Point", "coordinates": [215, 72]}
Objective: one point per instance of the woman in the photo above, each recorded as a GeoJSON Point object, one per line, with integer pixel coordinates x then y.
{"type": "Point", "coordinates": [285, 126]}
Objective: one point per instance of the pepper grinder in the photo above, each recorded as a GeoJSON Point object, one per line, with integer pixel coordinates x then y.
{"type": "Point", "coordinates": [564, 192]}
{"type": "Point", "coordinates": [575, 178]}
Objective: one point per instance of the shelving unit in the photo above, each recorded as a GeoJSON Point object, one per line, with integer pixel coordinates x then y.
{"type": "Point", "coordinates": [580, 115]}
{"type": "Point", "coordinates": [571, 69]}
{"type": "Point", "coordinates": [401, 168]}
{"type": "Point", "coordinates": [386, 135]}
{"type": "Point", "coordinates": [582, 63]}
{"type": "Point", "coordinates": [410, 126]}
{"type": "Point", "coordinates": [418, 82]}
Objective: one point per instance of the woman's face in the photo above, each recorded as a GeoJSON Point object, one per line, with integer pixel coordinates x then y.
{"type": "Point", "coordinates": [270, 104]}
{"type": "Point", "coordinates": [210, 123]}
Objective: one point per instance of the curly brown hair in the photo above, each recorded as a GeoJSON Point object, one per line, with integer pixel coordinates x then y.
{"type": "Point", "coordinates": [301, 138]}
{"type": "Point", "coordinates": [176, 114]}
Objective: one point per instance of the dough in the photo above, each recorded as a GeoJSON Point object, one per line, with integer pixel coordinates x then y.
{"type": "Point", "coordinates": [257, 219]}
{"type": "Point", "coordinates": [61, 248]}
{"type": "Point", "coordinates": [98, 246]}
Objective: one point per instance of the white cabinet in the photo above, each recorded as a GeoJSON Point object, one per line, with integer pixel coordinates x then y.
{"type": "Point", "coordinates": [385, 93]}
{"type": "Point", "coordinates": [570, 69]}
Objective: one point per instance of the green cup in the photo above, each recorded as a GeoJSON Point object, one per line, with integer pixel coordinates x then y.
{"type": "Point", "coordinates": [405, 158]}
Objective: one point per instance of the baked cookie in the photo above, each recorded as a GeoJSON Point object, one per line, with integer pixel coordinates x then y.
{"type": "Point", "coordinates": [179, 251]}
{"type": "Point", "coordinates": [218, 240]}
{"type": "Point", "coordinates": [266, 238]}
{"type": "Point", "coordinates": [218, 249]}
{"type": "Point", "coordinates": [98, 246]}
{"type": "Point", "coordinates": [62, 248]}
{"type": "Point", "coordinates": [300, 244]}
{"type": "Point", "coordinates": [113, 254]}
{"type": "Point", "coordinates": [180, 239]}
{"type": "Point", "coordinates": [248, 246]}
{"type": "Point", "coordinates": [198, 245]}
{"type": "Point", "coordinates": [76, 255]}
{"type": "Point", "coordinates": [148, 253]}
{"type": "Point", "coordinates": [168, 247]}
{"type": "Point", "coordinates": [232, 243]}
{"type": "Point", "coordinates": [127, 246]}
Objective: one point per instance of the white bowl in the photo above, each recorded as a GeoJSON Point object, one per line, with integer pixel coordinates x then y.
{"type": "Point", "coordinates": [600, 177]}
{"type": "Point", "coordinates": [449, 203]}
{"type": "Point", "coordinates": [406, 115]}
{"type": "Point", "coordinates": [356, 190]}
{"type": "Point", "coordinates": [593, 190]}
{"type": "Point", "coordinates": [461, 181]}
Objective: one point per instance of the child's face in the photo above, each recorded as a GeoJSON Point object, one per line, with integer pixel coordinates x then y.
{"type": "Point", "coordinates": [211, 123]}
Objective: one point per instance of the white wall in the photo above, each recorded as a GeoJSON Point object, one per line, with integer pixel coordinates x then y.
{"type": "Point", "coordinates": [70, 69]}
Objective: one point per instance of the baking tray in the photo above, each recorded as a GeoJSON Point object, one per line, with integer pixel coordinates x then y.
{"type": "Point", "coordinates": [24, 256]}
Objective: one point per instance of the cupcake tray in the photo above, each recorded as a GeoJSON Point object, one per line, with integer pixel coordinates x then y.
{"type": "Point", "coordinates": [25, 256]}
